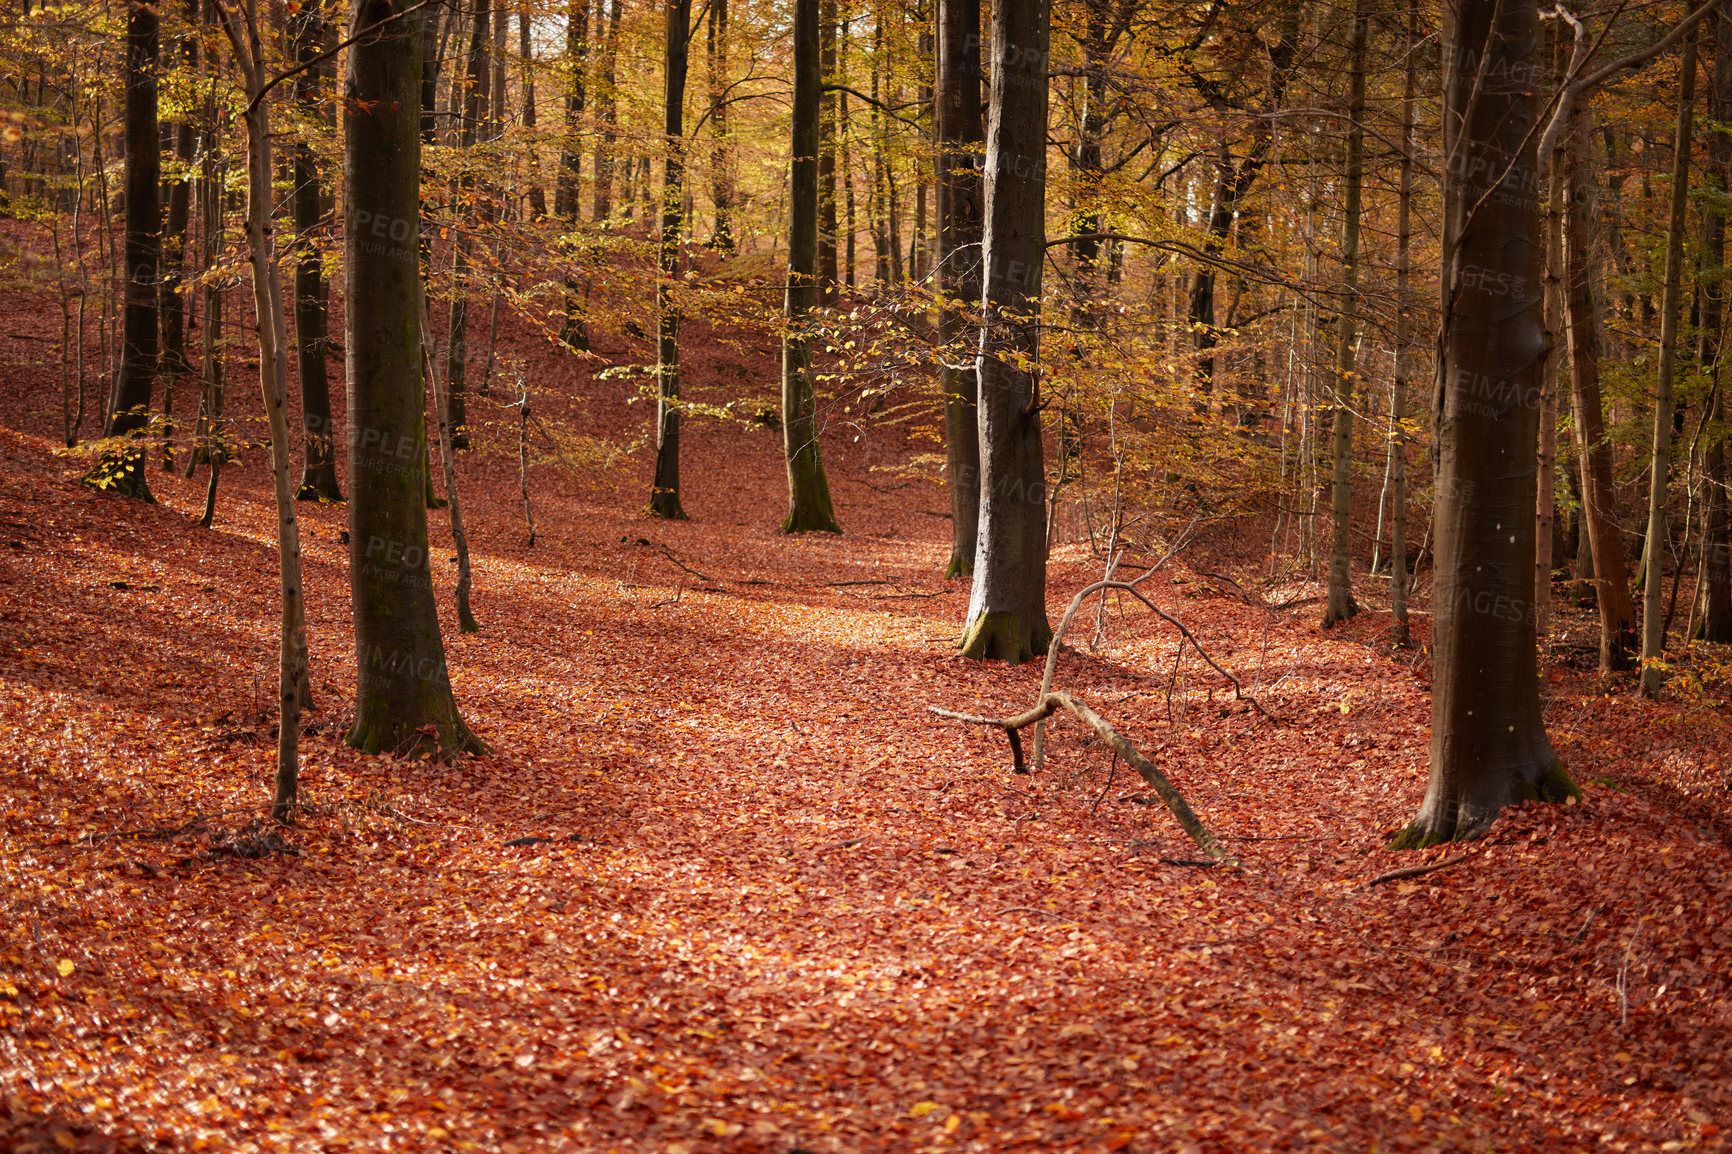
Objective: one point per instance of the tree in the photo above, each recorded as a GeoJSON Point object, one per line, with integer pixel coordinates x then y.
{"type": "Point", "coordinates": [1341, 605]}
{"type": "Point", "coordinates": [1654, 549]}
{"type": "Point", "coordinates": [1716, 579]}
{"type": "Point", "coordinates": [665, 489]}
{"type": "Point", "coordinates": [957, 139]}
{"type": "Point", "coordinates": [1488, 741]}
{"type": "Point", "coordinates": [1007, 606]}
{"type": "Point", "coordinates": [319, 478]}
{"type": "Point", "coordinates": [122, 470]}
{"type": "Point", "coordinates": [809, 507]}
{"type": "Point", "coordinates": [403, 695]}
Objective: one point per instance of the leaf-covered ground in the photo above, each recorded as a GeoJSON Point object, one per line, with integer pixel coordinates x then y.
{"type": "Point", "coordinates": [771, 903]}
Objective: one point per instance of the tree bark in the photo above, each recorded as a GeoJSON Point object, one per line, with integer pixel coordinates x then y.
{"type": "Point", "coordinates": [468, 193]}
{"type": "Point", "coordinates": [1403, 337]}
{"type": "Point", "coordinates": [1716, 541]}
{"type": "Point", "coordinates": [1654, 541]}
{"type": "Point", "coordinates": [958, 135]}
{"type": "Point", "coordinates": [1488, 742]}
{"type": "Point", "coordinates": [1599, 499]}
{"type": "Point", "coordinates": [319, 476]}
{"type": "Point", "coordinates": [606, 115]}
{"type": "Point", "coordinates": [537, 197]}
{"type": "Point", "coordinates": [122, 470]}
{"type": "Point", "coordinates": [1341, 605]}
{"type": "Point", "coordinates": [721, 175]}
{"type": "Point", "coordinates": [1007, 606]}
{"type": "Point", "coordinates": [809, 506]}
{"type": "Point", "coordinates": [828, 123]}
{"type": "Point", "coordinates": [665, 489]}
{"type": "Point", "coordinates": [403, 698]}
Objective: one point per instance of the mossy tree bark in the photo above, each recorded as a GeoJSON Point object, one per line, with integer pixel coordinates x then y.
{"type": "Point", "coordinates": [958, 136]}
{"type": "Point", "coordinates": [809, 507]}
{"type": "Point", "coordinates": [122, 470]}
{"type": "Point", "coordinates": [1007, 607]}
{"type": "Point", "coordinates": [665, 489]}
{"type": "Point", "coordinates": [403, 692]}
{"type": "Point", "coordinates": [1488, 742]}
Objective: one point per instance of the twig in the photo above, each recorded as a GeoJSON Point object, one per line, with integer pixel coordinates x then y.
{"type": "Point", "coordinates": [1416, 871]}
{"type": "Point", "coordinates": [669, 554]}
{"type": "Point", "coordinates": [1112, 771]}
{"type": "Point", "coordinates": [1036, 910]}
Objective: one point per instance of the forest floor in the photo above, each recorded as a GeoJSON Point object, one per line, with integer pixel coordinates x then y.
{"type": "Point", "coordinates": [773, 903]}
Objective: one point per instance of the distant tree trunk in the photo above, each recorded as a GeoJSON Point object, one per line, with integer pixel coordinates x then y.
{"type": "Point", "coordinates": [1654, 541]}
{"type": "Point", "coordinates": [571, 150]}
{"type": "Point", "coordinates": [1085, 162]}
{"type": "Point", "coordinates": [472, 128]}
{"type": "Point", "coordinates": [1545, 506]}
{"type": "Point", "coordinates": [175, 365]}
{"type": "Point", "coordinates": [403, 691]}
{"type": "Point", "coordinates": [721, 175]}
{"type": "Point", "coordinates": [1403, 337]}
{"type": "Point", "coordinates": [1341, 605]}
{"type": "Point", "coordinates": [878, 207]}
{"type": "Point", "coordinates": [958, 135]}
{"type": "Point", "coordinates": [1488, 742]}
{"type": "Point", "coordinates": [809, 507]}
{"type": "Point", "coordinates": [319, 477]}
{"type": "Point", "coordinates": [1599, 499]}
{"type": "Point", "coordinates": [537, 197]}
{"type": "Point", "coordinates": [846, 258]}
{"type": "Point", "coordinates": [122, 470]}
{"type": "Point", "coordinates": [828, 124]}
{"type": "Point", "coordinates": [1716, 541]}
{"type": "Point", "coordinates": [1007, 606]}
{"type": "Point", "coordinates": [665, 489]}
{"type": "Point", "coordinates": [606, 104]}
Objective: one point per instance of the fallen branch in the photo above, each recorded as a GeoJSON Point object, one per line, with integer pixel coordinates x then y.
{"type": "Point", "coordinates": [1416, 871]}
{"type": "Point", "coordinates": [1049, 704]}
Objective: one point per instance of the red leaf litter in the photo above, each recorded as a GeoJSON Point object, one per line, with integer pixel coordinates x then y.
{"type": "Point", "coordinates": [724, 884]}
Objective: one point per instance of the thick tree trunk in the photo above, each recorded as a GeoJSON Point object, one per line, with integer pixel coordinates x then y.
{"type": "Point", "coordinates": [319, 477]}
{"type": "Point", "coordinates": [809, 507]}
{"type": "Point", "coordinates": [1007, 607]}
{"type": "Point", "coordinates": [665, 489]}
{"type": "Point", "coordinates": [122, 470]}
{"type": "Point", "coordinates": [1341, 605]}
{"type": "Point", "coordinates": [1488, 742]}
{"type": "Point", "coordinates": [1654, 540]}
{"type": "Point", "coordinates": [958, 135]}
{"type": "Point", "coordinates": [403, 691]}
{"type": "Point", "coordinates": [1599, 499]}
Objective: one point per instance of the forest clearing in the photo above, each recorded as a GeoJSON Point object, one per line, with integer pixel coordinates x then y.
{"type": "Point", "coordinates": [864, 577]}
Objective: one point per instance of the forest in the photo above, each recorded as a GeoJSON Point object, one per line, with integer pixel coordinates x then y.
{"type": "Point", "coordinates": [848, 575]}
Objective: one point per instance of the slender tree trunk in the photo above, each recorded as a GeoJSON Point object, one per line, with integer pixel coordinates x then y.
{"type": "Point", "coordinates": [319, 478]}
{"type": "Point", "coordinates": [1007, 606]}
{"type": "Point", "coordinates": [1488, 742]}
{"type": "Point", "coordinates": [1403, 336]}
{"type": "Point", "coordinates": [1716, 540]}
{"type": "Point", "coordinates": [721, 160]}
{"type": "Point", "coordinates": [665, 490]}
{"type": "Point", "coordinates": [1341, 604]}
{"type": "Point", "coordinates": [122, 470]}
{"type": "Point", "coordinates": [809, 507]}
{"type": "Point", "coordinates": [571, 151]}
{"type": "Point", "coordinates": [175, 365]}
{"type": "Point", "coordinates": [1599, 500]}
{"type": "Point", "coordinates": [828, 124]}
{"type": "Point", "coordinates": [958, 135]}
{"type": "Point", "coordinates": [468, 194]}
{"type": "Point", "coordinates": [403, 691]}
{"type": "Point", "coordinates": [526, 50]}
{"type": "Point", "coordinates": [1545, 507]}
{"type": "Point", "coordinates": [1654, 545]}
{"type": "Point", "coordinates": [606, 104]}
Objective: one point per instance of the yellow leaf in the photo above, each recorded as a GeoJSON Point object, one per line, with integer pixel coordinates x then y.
{"type": "Point", "coordinates": [953, 1122]}
{"type": "Point", "coordinates": [1416, 1112]}
{"type": "Point", "coordinates": [922, 1109]}
{"type": "Point", "coordinates": [1343, 707]}
{"type": "Point", "coordinates": [65, 966]}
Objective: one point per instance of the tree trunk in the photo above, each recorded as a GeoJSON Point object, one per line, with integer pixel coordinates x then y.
{"type": "Point", "coordinates": [1341, 604]}
{"type": "Point", "coordinates": [403, 692]}
{"type": "Point", "coordinates": [122, 470]}
{"type": "Point", "coordinates": [665, 490]}
{"type": "Point", "coordinates": [1007, 607]}
{"type": "Point", "coordinates": [606, 115]}
{"type": "Point", "coordinates": [721, 175]}
{"type": "Point", "coordinates": [472, 127]}
{"type": "Point", "coordinates": [1599, 499]}
{"type": "Point", "coordinates": [1403, 337]}
{"type": "Point", "coordinates": [809, 507]}
{"type": "Point", "coordinates": [957, 135]}
{"type": "Point", "coordinates": [828, 122]}
{"type": "Point", "coordinates": [1716, 541]}
{"type": "Point", "coordinates": [566, 193]}
{"type": "Point", "coordinates": [319, 477]}
{"type": "Point", "coordinates": [1488, 742]}
{"type": "Point", "coordinates": [175, 364]}
{"type": "Point", "coordinates": [1654, 543]}
{"type": "Point", "coordinates": [537, 197]}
